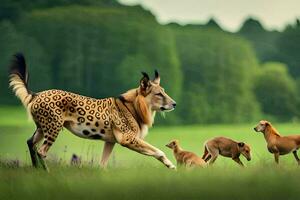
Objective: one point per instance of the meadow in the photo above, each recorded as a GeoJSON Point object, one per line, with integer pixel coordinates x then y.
{"type": "Point", "coordinates": [134, 176]}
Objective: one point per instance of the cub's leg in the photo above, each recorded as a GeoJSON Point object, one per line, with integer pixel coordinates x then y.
{"type": "Point", "coordinates": [192, 164]}
{"type": "Point", "coordinates": [296, 157]}
{"type": "Point", "coordinates": [206, 154]}
{"type": "Point", "coordinates": [213, 159]}
{"type": "Point", "coordinates": [207, 158]}
{"type": "Point", "coordinates": [276, 157]}
{"type": "Point", "coordinates": [107, 149]}
{"type": "Point", "coordinates": [238, 161]}
{"type": "Point", "coordinates": [32, 142]}
{"type": "Point", "coordinates": [213, 154]}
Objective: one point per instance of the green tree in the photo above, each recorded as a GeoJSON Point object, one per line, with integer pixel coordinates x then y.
{"type": "Point", "coordinates": [100, 51]}
{"type": "Point", "coordinates": [263, 41]}
{"type": "Point", "coordinates": [12, 41]}
{"type": "Point", "coordinates": [276, 91]}
{"type": "Point", "coordinates": [288, 43]}
{"type": "Point", "coordinates": [218, 71]}
{"type": "Point", "coordinates": [13, 10]}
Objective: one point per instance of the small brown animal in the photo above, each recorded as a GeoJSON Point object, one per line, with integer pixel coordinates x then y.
{"type": "Point", "coordinates": [186, 158]}
{"type": "Point", "coordinates": [277, 144]}
{"type": "Point", "coordinates": [227, 148]}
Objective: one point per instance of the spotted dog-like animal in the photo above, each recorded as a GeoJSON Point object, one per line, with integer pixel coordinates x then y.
{"type": "Point", "coordinates": [124, 120]}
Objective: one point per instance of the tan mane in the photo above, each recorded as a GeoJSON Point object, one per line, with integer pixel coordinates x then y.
{"type": "Point", "coordinates": [140, 106]}
{"type": "Point", "coordinates": [270, 129]}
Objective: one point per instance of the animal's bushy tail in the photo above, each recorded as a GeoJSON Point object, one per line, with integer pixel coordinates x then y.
{"type": "Point", "coordinates": [18, 79]}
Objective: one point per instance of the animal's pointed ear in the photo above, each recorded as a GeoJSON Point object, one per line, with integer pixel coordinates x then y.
{"type": "Point", "coordinates": [145, 81]}
{"type": "Point", "coordinates": [241, 144]}
{"type": "Point", "coordinates": [156, 77]}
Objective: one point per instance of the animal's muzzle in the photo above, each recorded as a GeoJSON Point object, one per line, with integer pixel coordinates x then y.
{"type": "Point", "coordinates": [168, 107]}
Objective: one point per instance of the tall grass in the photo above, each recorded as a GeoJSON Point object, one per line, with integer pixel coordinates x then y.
{"type": "Point", "coordinates": [148, 182]}
{"type": "Point", "coordinates": [134, 176]}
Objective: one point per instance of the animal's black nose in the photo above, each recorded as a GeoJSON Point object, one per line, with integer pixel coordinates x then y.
{"type": "Point", "coordinates": [174, 105]}
{"type": "Point", "coordinates": [254, 129]}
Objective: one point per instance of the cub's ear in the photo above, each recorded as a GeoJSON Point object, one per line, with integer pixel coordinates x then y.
{"type": "Point", "coordinates": [145, 81]}
{"type": "Point", "coordinates": [241, 144]}
{"type": "Point", "coordinates": [156, 77]}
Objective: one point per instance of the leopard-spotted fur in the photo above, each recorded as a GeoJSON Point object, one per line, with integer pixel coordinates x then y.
{"type": "Point", "coordinates": [85, 117]}
{"type": "Point", "coordinates": [123, 120]}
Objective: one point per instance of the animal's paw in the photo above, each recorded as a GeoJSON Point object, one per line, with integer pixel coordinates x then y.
{"type": "Point", "coordinates": [172, 167]}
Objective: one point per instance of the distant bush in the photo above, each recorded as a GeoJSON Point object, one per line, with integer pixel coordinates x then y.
{"type": "Point", "coordinates": [276, 91]}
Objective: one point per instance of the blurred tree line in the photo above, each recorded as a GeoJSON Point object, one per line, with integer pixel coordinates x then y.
{"type": "Point", "coordinates": [98, 48]}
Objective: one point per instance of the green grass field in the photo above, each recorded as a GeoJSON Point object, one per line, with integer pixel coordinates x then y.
{"type": "Point", "coordinates": [134, 176]}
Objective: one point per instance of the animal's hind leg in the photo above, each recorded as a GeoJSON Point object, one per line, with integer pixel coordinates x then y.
{"type": "Point", "coordinates": [205, 154]}
{"type": "Point", "coordinates": [108, 147]}
{"type": "Point", "coordinates": [208, 157]}
{"type": "Point", "coordinates": [296, 157]}
{"type": "Point", "coordinates": [213, 159]}
{"type": "Point", "coordinates": [214, 155]}
{"type": "Point", "coordinates": [32, 142]}
{"type": "Point", "coordinates": [50, 136]}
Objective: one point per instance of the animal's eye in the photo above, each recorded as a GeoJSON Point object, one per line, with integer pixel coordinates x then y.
{"type": "Point", "coordinates": [159, 94]}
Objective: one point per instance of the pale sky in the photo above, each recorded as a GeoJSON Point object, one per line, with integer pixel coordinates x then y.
{"type": "Point", "coordinates": [273, 14]}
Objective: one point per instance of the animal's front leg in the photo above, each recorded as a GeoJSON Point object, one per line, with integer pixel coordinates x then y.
{"type": "Point", "coordinates": [140, 146]}
{"type": "Point", "coordinates": [145, 148]}
{"type": "Point", "coordinates": [276, 156]}
{"type": "Point", "coordinates": [237, 160]}
{"type": "Point", "coordinates": [107, 149]}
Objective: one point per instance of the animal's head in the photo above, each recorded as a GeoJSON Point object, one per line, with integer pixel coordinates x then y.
{"type": "Point", "coordinates": [261, 126]}
{"type": "Point", "coordinates": [154, 94]}
{"type": "Point", "coordinates": [244, 149]}
{"type": "Point", "coordinates": [173, 144]}
{"type": "Point", "coordinates": [148, 98]}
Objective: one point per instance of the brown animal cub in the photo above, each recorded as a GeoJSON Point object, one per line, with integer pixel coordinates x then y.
{"type": "Point", "coordinates": [277, 144]}
{"type": "Point", "coordinates": [185, 158]}
{"type": "Point", "coordinates": [227, 148]}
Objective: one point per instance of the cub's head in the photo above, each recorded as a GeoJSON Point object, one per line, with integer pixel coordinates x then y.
{"type": "Point", "coordinates": [244, 149]}
{"type": "Point", "coordinates": [173, 144]}
{"type": "Point", "coordinates": [154, 94]}
{"type": "Point", "coordinates": [261, 126]}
